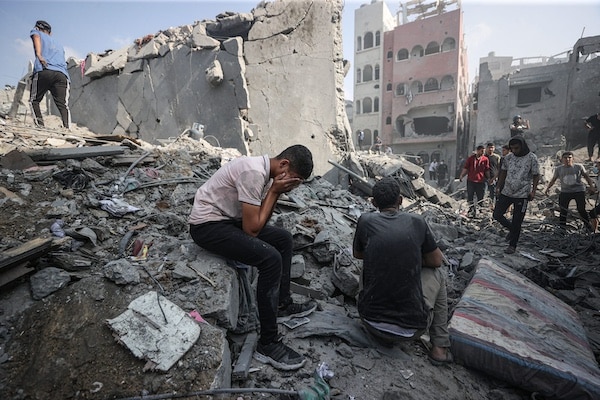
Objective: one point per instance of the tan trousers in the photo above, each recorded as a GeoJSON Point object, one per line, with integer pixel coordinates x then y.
{"type": "Point", "coordinates": [433, 281]}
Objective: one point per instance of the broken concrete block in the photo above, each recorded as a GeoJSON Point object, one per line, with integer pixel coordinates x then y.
{"type": "Point", "coordinates": [200, 39]}
{"type": "Point", "coordinates": [214, 73]}
{"type": "Point", "coordinates": [113, 62]}
{"type": "Point", "coordinates": [122, 272]}
{"type": "Point", "coordinates": [48, 281]}
{"type": "Point", "coordinates": [155, 329]}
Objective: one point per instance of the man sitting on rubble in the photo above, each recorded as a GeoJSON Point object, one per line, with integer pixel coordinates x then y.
{"type": "Point", "coordinates": [229, 218]}
{"type": "Point", "coordinates": [403, 289]}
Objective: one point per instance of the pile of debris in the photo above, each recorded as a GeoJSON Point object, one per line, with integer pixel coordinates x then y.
{"type": "Point", "coordinates": [95, 254]}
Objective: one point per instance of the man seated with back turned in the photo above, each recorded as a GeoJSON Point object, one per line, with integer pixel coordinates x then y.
{"type": "Point", "coordinates": [403, 289]}
{"type": "Point", "coordinates": [229, 218]}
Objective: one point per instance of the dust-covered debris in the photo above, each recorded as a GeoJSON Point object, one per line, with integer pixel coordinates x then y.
{"type": "Point", "coordinates": [62, 345]}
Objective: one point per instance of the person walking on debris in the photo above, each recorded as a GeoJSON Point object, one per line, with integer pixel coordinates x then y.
{"type": "Point", "coordinates": [378, 144]}
{"type": "Point", "coordinates": [517, 183]}
{"type": "Point", "coordinates": [494, 165]}
{"type": "Point", "coordinates": [361, 139]}
{"type": "Point", "coordinates": [442, 172]}
{"type": "Point", "coordinates": [477, 170]}
{"type": "Point", "coordinates": [505, 151]}
{"type": "Point", "coordinates": [49, 74]}
{"type": "Point", "coordinates": [595, 212]}
{"type": "Point", "coordinates": [403, 286]}
{"type": "Point", "coordinates": [229, 217]}
{"type": "Point", "coordinates": [433, 170]}
{"type": "Point", "coordinates": [518, 126]}
{"type": "Point", "coordinates": [571, 187]}
{"type": "Point", "coordinates": [593, 126]}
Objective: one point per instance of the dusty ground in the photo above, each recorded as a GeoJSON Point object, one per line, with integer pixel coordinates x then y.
{"type": "Point", "coordinates": [61, 348]}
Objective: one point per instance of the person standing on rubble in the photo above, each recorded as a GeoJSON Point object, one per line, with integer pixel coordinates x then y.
{"type": "Point", "coordinates": [229, 217]}
{"type": "Point", "coordinates": [494, 165]}
{"type": "Point", "coordinates": [571, 187]}
{"type": "Point", "coordinates": [403, 284]}
{"type": "Point", "coordinates": [433, 169]}
{"type": "Point", "coordinates": [477, 170]}
{"type": "Point", "coordinates": [518, 126]}
{"type": "Point", "coordinates": [517, 183]}
{"type": "Point", "coordinates": [595, 212]}
{"type": "Point", "coordinates": [49, 74]}
{"type": "Point", "coordinates": [442, 171]}
{"type": "Point", "coordinates": [593, 126]}
{"type": "Point", "coordinates": [361, 139]}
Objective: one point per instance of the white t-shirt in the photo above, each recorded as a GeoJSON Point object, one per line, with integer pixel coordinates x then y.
{"type": "Point", "coordinates": [243, 180]}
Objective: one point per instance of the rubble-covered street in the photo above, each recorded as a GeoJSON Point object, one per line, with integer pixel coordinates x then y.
{"type": "Point", "coordinates": [94, 235]}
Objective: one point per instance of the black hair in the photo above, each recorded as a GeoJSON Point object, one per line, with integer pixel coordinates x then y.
{"type": "Point", "coordinates": [386, 193]}
{"type": "Point", "coordinates": [521, 141]}
{"type": "Point", "coordinates": [300, 159]}
{"type": "Point", "coordinates": [566, 153]}
{"type": "Point", "coordinates": [490, 144]}
{"type": "Point", "coordinates": [43, 25]}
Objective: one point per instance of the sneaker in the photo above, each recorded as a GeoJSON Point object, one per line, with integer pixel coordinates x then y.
{"type": "Point", "coordinates": [295, 310]}
{"type": "Point", "coordinates": [510, 250]}
{"type": "Point", "coordinates": [279, 356]}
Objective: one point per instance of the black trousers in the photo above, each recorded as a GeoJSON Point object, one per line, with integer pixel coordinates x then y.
{"type": "Point", "coordinates": [271, 252]}
{"type": "Point", "coordinates": [519, 209]}
{"type": "Point", "coordinates": [474, 188]}
{"type": "Point", "coordinates": [563, 202]}
{"type": "Point", "coordinates": [592, 140]}
{"type": "Point", "coordinates": [58, 85]}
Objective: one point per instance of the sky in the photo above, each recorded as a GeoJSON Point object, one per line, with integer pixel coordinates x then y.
{"type": "Point", "coordinates": [517, 28]}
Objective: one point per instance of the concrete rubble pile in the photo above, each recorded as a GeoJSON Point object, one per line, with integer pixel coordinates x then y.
{"type": "Point", "coordinates": [111, 227]}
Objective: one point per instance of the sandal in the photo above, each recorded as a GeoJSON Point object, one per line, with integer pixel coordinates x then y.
{"type": "Point", "coordinates": [449, 359]}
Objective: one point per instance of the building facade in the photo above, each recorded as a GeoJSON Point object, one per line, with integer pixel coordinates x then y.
{"type": "Point", "coordinates": [556, 94]}
{"type": "Point", "coordinates": [423, 76]}
{"type": "Point", "coordinates": [371, 21]}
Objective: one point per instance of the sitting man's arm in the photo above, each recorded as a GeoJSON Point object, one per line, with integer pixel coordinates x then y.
{"type": "Point", "coordinates": [433, 259]}
{"type": "Point", "coordinates": [254, 218]}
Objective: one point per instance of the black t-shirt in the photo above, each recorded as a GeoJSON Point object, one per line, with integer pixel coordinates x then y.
{"type": "Point", "coordinates": [392, 247]}
{"type": "Point", "coordinates": [594, 122]}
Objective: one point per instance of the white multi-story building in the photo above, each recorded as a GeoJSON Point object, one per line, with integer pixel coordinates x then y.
{"type": "Point", "coordinates": [370, 22]}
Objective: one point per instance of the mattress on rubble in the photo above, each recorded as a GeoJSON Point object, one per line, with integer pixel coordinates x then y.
{"type": "Point", "coordinates": [510, 328]}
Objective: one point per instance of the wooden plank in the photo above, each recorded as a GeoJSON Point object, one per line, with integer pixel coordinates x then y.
{"type": "Point", "coordinates": [129, 159]}
{"type": "Point", "coordinates": [10, 274]}
{"type": "Point", "coordinates": [52, 154]}
{"type": "Point", "coordinates": [242, 365]}
{"type": "Point", "coordinates": [27, 251]}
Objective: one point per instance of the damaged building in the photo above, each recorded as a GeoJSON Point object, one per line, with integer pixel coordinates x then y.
{"type": "Point", "coordinates": [556, 94]}
{"type": "Point", "coordinates": [411, 78]}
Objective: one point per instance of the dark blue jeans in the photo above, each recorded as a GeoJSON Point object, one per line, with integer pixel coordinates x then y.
{"type": "Point", "coordinates": [270, 252]}
{"type": "Point", "coordinates": [519, 209]}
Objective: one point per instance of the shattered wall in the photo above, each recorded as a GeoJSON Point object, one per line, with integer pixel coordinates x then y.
{"type": "Point", "coordinates": [275, 78]}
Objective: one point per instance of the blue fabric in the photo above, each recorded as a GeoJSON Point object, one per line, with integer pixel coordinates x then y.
{"type": "Point", "coordinates": [52, 51]}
